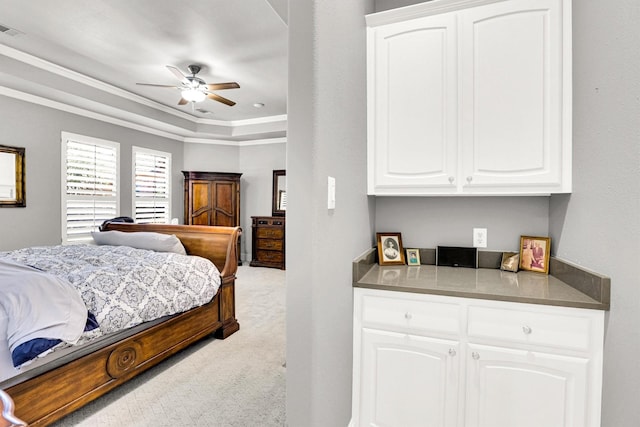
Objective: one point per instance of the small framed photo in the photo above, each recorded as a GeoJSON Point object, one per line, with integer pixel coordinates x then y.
{"type": "Point", "coordinates": [390, 250]}
{"type": "Point", "coordinates": [534, 253]}
{"type": "Point", "coordinates": [413, 257]}
{"type": "Point", "coordinates": [510, 262]}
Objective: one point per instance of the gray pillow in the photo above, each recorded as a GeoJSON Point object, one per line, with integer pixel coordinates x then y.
{"type": "Point", "coordinates": [140, 240]}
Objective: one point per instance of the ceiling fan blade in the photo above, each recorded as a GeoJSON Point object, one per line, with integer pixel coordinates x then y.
{"type": "Point", "coordinates": [221, 86]}
{"type": "Point", "coordinates": [183, 101]}
{"type": "Point", "coordinates": [178, 74]}
{"type": "Point", "coordinates": [221, 99]}
{"type": "Point", "coordinates": [151, 84]}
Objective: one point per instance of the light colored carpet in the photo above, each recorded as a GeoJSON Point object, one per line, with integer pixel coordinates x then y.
{"type": "Point", "coordinates": [239, 381]}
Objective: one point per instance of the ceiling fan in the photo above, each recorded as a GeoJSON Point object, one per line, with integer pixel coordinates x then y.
{"type": "Point", "coordinates": [194, 89]}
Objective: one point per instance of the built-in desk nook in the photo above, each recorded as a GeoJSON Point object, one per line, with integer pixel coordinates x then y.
{"type": "Point", "coordinates": [452, 346]}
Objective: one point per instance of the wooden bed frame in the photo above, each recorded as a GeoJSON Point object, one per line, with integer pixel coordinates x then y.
{"type": "Point", "coordinates": [44, 397]}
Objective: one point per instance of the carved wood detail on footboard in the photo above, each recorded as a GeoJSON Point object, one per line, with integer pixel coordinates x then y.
{"type": "Point", "coordinates": [48, 397]}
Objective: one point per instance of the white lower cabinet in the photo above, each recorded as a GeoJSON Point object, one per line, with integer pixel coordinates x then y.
{"type": "Point", "coordinates": [430, 360]}
{"type": "Point", "coordinates": [409, 380]}
{"type": "Point", "coordinates": [511, 387]}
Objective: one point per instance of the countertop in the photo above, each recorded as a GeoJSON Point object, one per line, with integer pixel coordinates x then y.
{"type": "Point", "coordinates": [485, 283]}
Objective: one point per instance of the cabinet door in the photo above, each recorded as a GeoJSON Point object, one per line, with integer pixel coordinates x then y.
{"type": "Point", "coordinates": [515, 104]}
{"type": "Point", "coordinates": [508, 387]}
{"type": "Point", "coordinates": [200, 208]}
{"type": "Point", "coordinates": [412, 106]}
{"type": "Point", "coordinates": [407, 380]}
{"type": "Point", "coordinates": [225, 199]}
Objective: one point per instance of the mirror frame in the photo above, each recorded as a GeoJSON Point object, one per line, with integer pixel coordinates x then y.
{"type": "Point", "coordinates": [275, 211]}
{"type": "Point", "coordinates": [20, 200]}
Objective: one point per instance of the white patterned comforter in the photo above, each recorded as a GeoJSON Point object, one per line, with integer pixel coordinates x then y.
{"type": "Point", "coordinates": [123, 286]}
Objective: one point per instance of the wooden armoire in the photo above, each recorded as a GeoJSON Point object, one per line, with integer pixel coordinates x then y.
{"type": "Point", "coordinates": [212, 198]}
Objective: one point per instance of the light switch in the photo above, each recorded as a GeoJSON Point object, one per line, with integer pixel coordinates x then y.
{"type": "Point", "coordinates": [331, 193]}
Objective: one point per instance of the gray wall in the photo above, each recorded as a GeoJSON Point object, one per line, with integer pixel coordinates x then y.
{"type": "Point", "coordinates": [38, 128]}
{"type": "Point", "coordinates": [326, 137]}
{"type": "Point", "coordinates": [426, 222]}
{"type": "Point", "coordinates": [211, 158]}
{"type": "Point", "coordinates": [257, 163]}
{"type": "Point", "coordinates": [598, 225]}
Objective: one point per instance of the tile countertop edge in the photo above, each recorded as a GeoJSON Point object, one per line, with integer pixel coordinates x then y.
{"type": "Point", "coordinates": [589, 283]}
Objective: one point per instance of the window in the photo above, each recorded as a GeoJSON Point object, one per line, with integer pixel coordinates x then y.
{"type": "Point", "coordinates": [152, 186]}
{"type": "Point", "coordinates": [90, 172]}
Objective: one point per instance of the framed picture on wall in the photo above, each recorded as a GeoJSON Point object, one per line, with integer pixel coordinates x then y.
{"type": "Point", "coordinates": [390, 250]}
{"type": "Point", "coordinates": [534, 253]}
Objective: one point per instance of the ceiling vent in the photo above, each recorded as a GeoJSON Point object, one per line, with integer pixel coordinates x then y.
{"type": "Point", "coordinates": [203, 111]}
{"type": "Point", "coordinates": [8, 31]}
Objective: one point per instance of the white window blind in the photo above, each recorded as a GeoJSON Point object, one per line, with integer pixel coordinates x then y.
{"type": "Point", "coordinates": [90, 171]}
{"type": "Point", "coordinates": [152, 186]}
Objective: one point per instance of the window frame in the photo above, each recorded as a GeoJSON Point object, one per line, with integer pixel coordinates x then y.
{"type": "Point", "coordinates": [134, 151]}
{"type": "Point", "coordinates": [66, 137]}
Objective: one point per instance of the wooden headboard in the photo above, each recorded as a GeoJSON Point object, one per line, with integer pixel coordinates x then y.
{"type": "Point", "coordinates": [217, 244]}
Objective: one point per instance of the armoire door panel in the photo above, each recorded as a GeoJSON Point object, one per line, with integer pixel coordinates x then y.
{"type": "Point", "coordinates": [212, 198]}
{"type": "Point", "coordinates": [224, 196]}
{"type": "Point", "coordinates": [202, 218]}
{"type": "Point", "coordinates": [200, 196]}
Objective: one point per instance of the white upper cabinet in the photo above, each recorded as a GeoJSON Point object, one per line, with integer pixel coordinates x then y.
{"type": "Point", "coordinates": [414, 115]}
{"type": "Point", "coordinates": [470, 97]}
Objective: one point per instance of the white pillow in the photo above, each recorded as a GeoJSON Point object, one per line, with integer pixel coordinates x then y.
{"type": "Point", "coordinates": [140, 240]}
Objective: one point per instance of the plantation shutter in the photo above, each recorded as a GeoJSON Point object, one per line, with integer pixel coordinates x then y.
{"type": "Point", "coordinates": [152, 193]}
{"type": "Point", "coordinates": [91, 186]}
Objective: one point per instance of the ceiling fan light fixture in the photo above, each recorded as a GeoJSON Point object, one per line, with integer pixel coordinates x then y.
{"type": "Point", "coordinates": [193, 95]}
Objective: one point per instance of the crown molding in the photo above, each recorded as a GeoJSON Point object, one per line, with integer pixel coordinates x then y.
{"type": "Point", "coordinates": [48, 66]}
{"type": "Point", "coordinates": [245, 122]}
{"type": "Point", "coordinates": [266, 141]}
{"type": "Point", "coordinates": [150, 129]}
{"type": "Point", "coordinates": [421, 10]}
{"type": "Point", "coordinates": [45, 65]}
{"type": "Point", "coordinates": [57, 105]}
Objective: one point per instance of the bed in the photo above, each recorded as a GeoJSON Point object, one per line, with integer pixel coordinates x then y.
{"type": "Point", "coordinates": [48, 392]}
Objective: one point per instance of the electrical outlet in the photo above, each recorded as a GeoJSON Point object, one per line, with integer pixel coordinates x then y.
{"type": "Point", "coordinates": [479, 237]}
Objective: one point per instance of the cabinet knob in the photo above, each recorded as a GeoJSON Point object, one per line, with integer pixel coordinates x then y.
{"type": "Point", "coordinates": [408, 316]}
{"type": "Point", "coordinates": [451, 179]}
{"type": "Point", "coordinates": [475, 355]}
{"type": "Point", "coordinates": [526, 329]}
{"type": "Point", "coordinates": [452, 352]}
{"type": "Point", "coordinates": [469, 178]}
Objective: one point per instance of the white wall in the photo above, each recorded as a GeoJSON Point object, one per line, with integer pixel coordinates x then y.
{"type": "Point", "coordinates": [38, 128]}
{"type": "Point", "coordinates": [598, 225]}
{"type": "Point", "coordinates": [326, 137]}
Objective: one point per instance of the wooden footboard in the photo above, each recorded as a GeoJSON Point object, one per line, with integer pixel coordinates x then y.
{"type": "Point", "coordinates": [45, 398]}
